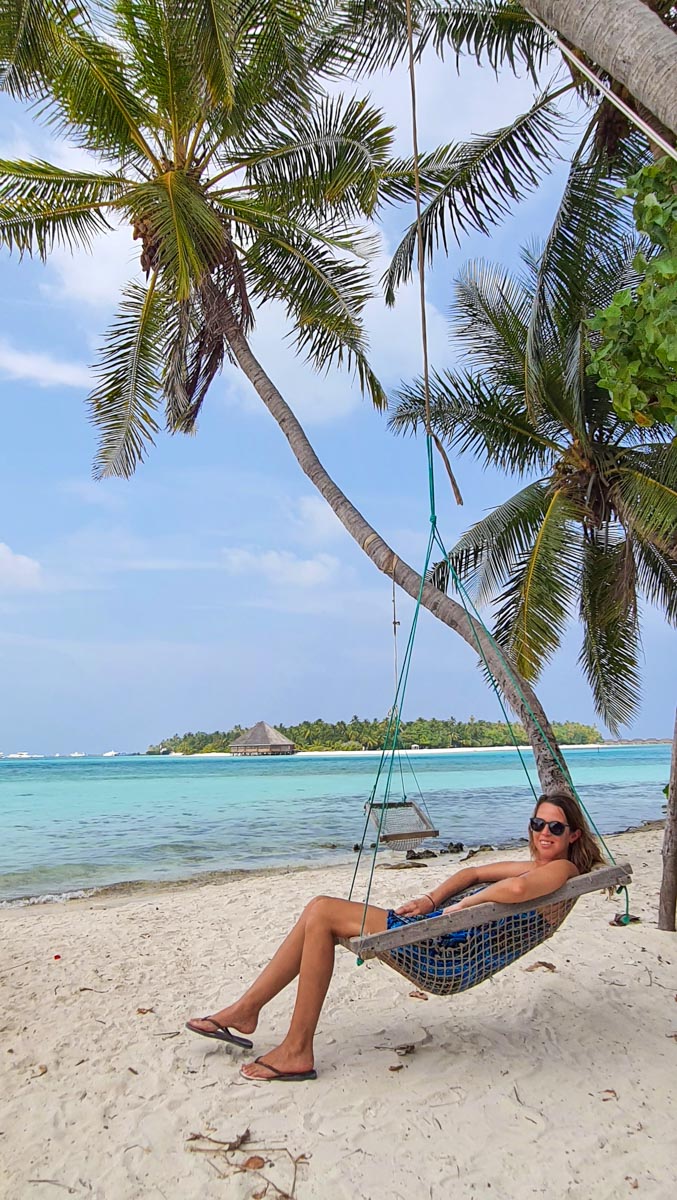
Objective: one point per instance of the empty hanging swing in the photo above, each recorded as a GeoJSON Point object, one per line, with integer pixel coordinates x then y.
{"type": "Point", "coordinates": [401, 824]}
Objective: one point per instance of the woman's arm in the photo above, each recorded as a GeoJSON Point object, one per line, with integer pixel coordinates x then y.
{"type": "Point", "coordinates": [539, 881]}
{"type": "Point", "coordinates": [465, 878]}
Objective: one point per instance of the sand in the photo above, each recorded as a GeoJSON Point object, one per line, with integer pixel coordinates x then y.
{"type": "Point", "coordinates": [556, 1083]}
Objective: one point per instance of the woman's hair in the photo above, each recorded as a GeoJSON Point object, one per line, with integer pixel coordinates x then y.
{"type": "Point", "coordinates": [585, 852]}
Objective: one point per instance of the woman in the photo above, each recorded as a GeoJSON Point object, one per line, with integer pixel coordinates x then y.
{"type": "Point", "coordinates": [561, 845]}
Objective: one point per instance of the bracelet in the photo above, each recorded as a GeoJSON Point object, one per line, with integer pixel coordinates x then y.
{"type": "Point", "coordinates": [429, 897]}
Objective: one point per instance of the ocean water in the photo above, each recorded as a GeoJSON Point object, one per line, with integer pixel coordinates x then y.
{"type": "Point", "coordinates": [73, 825]}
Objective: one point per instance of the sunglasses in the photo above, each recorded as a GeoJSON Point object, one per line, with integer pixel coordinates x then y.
{"type": "Point", "coordinates": [537, 825]}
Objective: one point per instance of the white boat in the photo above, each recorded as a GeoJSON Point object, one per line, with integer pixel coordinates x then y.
{"type": "Point", "coordinates": [111, 754]}
{"type": "Point", "coordinates": [77, 754]}
{"type": "Point", "coordinates": [21, 754]}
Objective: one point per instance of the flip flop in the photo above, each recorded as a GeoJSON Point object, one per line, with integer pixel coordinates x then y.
{"type": "Point", "coordinates": [278, 1076]}
{"type": "Point", "coordinates": [221, 1034]}
{"type": "Point", "coordinates": [624, 919]}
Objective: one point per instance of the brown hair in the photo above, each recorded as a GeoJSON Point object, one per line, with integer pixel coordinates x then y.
{"type": "Point", "coordinates": [585, 852]}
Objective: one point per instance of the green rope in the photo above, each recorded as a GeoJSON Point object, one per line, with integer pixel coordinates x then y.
{"type": "Point", "coordinates": [393, 728]}
{"type": "Point", "coordinates": [390, 745]}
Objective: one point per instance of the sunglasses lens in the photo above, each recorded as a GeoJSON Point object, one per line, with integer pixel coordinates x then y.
{"type": "Point", "coordinates": [537, 825]}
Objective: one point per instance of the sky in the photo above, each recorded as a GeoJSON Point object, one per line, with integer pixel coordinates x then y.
{"type": "Point", "coordinates": [216, 587]}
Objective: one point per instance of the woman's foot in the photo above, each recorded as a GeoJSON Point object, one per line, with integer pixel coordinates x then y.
{"type": "Point", "coordinates": [235, 1016]}
{"type": "Point", "coordinates": [280, 1063]}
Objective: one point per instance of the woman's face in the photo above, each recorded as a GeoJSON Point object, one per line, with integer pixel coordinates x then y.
{"type": "Point", "coordinates": [549, 846]}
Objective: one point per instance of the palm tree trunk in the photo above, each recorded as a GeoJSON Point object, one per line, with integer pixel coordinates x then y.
{"type": "Point", "coordinates": [667, 904]}
{"type": "Point", "coordinates": [625, 38]}
{"type": "Point", "coordinates": [516, 691]}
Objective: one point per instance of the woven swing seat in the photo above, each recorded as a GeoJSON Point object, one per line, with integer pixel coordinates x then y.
{"type": "Point", "coordinates": [402, 824]}
{"type": "Point", "coordinates": [451, 953]}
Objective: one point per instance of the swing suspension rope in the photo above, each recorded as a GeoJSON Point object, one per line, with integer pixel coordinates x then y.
{"type": "Point", "coordinates": [480, 632]}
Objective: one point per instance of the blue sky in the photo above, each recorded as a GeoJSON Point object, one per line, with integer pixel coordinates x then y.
{"type": "Point", "coordinates": [216, 587]}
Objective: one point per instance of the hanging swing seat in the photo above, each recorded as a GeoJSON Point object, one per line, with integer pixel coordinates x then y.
{"type": "Point", "coordinates": [453, 952]}
{"type": "Point", "coordinates": [402, 824]}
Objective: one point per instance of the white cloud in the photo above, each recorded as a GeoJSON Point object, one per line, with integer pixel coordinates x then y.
{"type": "Point", "coordinates": [42, 369]}
{"type": "Point", "coordinates": [18, 573]}
{"type": "Point", "coordinates": [94, 277]}
{"type": "Point", "coordinates": [283, 569]}
{"type": "Point", "coordinates": [99, 494]}
{"type": "Point", "coordinates": [315, 523]}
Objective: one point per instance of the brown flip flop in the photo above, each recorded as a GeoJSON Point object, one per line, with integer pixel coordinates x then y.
{"type": "Point", "coordinates": [278, 1076]}
{"type": "Point", "coordinates": [221, 1033]}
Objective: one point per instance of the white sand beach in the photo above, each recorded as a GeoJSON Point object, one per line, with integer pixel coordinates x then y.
{"type": "Point", "coordinates": [557, 1082]}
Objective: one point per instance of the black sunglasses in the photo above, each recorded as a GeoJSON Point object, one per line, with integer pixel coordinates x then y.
{"type": "Point", "coordinates": [537, 825]}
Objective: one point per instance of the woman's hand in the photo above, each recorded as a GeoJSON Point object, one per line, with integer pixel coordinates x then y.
{"type": "Point", "coordinates": [421, 907]}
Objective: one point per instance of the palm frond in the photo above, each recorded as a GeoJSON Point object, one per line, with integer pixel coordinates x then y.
{"type": "Point", "coordinates": [129, 367]}
{"type": "Point", "coordinates": [646, 500]}
{"type": "Point", "coordinates": [492, 31]}
{"type": "Point", "coordinates": [657, 575]}
{"type": "Point", "coordinates": [484, 177]}
{"type": "Point", "coordinates": [590, 226]}
{"type": "Point", "coordinates": [272, 77]}
{"type": "Point", "coordinates": [42, 205]}
{"type": "Point", "coordinates": [471, 415]}
{"type": "Point", "coordinates": [536, 604]}
{"type": "Point", "coordinates": [485, 557]}
{"type": "Point", "coordinates": [331, 159]}
{"type": "Point", "coordinates": [610, 649]}
{"type": "Point", "coordinates": [323, 290]}
{"type": "Point", "coordinates": [357, 37]}
{"type": "Point", "coordinates": [211, 31]}
{"type": "Point", "coordinates": [186, 235]}
{"type": "Point", "coordinates": [29, 39]}
{"type": "Point", "coordinates": [163, 65]}
{"type": "Point", "coordinates": [91, 100]}
{"type": "Point", "coordinates": [323, 295]}
{"type": "Point", "coordinates": [490, 318]}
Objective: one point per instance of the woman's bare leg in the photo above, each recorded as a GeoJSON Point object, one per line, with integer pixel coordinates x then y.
{"type": "Point", "coordinates": [324, 921]}
{"type": "Point", "coordinates": [286, 963]}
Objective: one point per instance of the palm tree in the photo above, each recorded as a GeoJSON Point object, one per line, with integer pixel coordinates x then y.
{"type": "Point", "coordinates": [243, 183]}
{"type": "Point", "coordinates": [604, 35]}
{"type": "Point", "coordinates": [593, 525]}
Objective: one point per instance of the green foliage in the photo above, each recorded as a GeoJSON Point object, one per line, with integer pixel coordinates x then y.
{"type": "Point", "coordinates": [593, 524]}
{"type": "Point", "coordinates": [636, 359]}
{"type": "Point", "coordinates": [429, 733]}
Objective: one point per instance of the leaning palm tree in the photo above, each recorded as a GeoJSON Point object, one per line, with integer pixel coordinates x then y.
{"type": "Point", "coordinates": [593, 526]}
{"type": "Point", "coordinates": [245, 185]}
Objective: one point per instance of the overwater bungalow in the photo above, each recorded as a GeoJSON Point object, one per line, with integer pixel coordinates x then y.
{"type": "Point", "coordinates": [262, 739]}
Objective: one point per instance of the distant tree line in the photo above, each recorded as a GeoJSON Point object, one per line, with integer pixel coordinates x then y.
{"type": "Point", "coordinates": [428, 733]}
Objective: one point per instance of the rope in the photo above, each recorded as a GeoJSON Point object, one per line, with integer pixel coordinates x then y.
{"type": "Point", "coordinates": [474, 620]}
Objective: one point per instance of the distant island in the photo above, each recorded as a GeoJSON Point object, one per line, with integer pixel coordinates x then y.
{"type": "Point", "coordinates": [358, 734]}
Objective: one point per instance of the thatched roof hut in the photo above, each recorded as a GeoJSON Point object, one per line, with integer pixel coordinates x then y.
{"type": "Point", "coordinates": [262, 739]}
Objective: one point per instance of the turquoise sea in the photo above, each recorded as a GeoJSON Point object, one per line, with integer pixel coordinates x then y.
{"type": "Point", "coordinates": [74, 825]}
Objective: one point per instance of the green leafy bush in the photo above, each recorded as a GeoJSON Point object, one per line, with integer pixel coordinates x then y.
{"type": "Point", "coordinates": [636, 360]}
